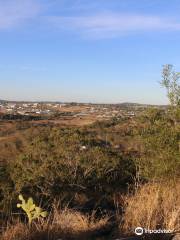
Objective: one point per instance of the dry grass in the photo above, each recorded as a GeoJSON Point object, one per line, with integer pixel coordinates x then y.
{"type": "Point", "coordinates": [154, 206]}
{"type": "Point", "coordinates": [66, 224]}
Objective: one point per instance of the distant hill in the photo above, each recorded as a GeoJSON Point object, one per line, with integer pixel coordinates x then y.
{"type": "Point", "coordinates": [129, 104]}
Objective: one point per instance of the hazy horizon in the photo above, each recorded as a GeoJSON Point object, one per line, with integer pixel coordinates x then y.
{"type": "Point", "coordinates": [87, 51]}
{"type": "Point", "coordinates": [85, 102]}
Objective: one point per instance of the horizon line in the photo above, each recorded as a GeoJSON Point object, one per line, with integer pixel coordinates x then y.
{"type": "Point", "coordinates": [79, 102]}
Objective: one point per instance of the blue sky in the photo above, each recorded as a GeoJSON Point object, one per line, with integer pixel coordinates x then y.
{"type": "Point", "coordinates": [87, 51]}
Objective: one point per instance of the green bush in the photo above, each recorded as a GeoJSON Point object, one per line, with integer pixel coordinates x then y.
{"type": "Point", "coordinates": [161, 145]}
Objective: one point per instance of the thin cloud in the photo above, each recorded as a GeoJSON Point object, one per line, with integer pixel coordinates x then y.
{"type": "Point", "coordinates": [100, 25]}
{"type": "Point", "coordinates": [111, 24]}
{"type": "Point", "coordinates": [16, 12]}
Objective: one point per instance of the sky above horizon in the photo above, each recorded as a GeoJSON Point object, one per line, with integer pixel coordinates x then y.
{"type": "Point", "coordinates": [104, 51]}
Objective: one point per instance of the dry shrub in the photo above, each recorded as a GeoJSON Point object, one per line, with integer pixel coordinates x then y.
{"type": "Point", "coordinates": [154, 206]}
{"type": "Point", "coordinates": [66, 224]}
{"type": "Point", "coordinates": [77, 222]}
{"type": "Point", "coordinates": [17, 232]}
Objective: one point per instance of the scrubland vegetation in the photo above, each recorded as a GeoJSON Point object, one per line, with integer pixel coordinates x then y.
{"type": "Point", "coordinates": [103, 179]}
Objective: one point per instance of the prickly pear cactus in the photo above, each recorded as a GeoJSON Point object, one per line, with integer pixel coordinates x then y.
{"type": "Point", "coordinates": [32, 211]}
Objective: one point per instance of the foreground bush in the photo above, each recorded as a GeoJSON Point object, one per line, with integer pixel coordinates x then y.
{"type": "Point", "coordinates": [154, 206]}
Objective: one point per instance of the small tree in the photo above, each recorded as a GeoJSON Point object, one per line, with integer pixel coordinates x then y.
{"type": "Point", "coordinates": [170, 80]}
{"type": "Point", "coordinates": [161, 133]}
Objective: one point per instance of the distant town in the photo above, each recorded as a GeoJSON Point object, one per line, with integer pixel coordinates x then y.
{"type": "Point", "coordinates": [72, 110]}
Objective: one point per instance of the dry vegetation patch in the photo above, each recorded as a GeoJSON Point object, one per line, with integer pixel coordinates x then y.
{"type": "Point", "coordinates": [154, 206]}
{"type": "Point", "coordinates": [65, 224]}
